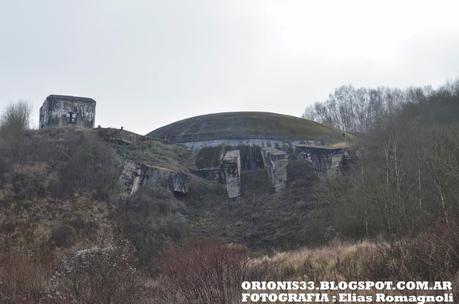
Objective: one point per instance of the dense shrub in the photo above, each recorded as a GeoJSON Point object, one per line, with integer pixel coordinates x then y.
{"type": "Point", "coordinates": [29, 181]}
{"type": "Point", "coordinates": [14, 121]}
{"type": "Point", "coordinates": [432, 256]}
{"type": "Point", "coordinates": [202, 272]}
{"type": "Point", "coordinates": [24, 281]}
{"type": "Point", "coordinates": [151, 220]}
{"type": "Point", "coordinates": [62, 236]}
{"type": "Point", "coordinates": [90, 166]}
{"type": "Point", "coordinates": [101, 275]}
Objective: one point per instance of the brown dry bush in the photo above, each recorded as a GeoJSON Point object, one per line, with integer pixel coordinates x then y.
{"type": "Point", "coordinates": [24, 281]}
{"type": "Point", "coordinates": [101, 275]}
{"type": "Point", "coordinates": [151, 220]}
{"type": "Point", "coordinates": [201, 272]}
{"type": "Point", "coordinates": [91, 166]}
{"type": "Point", "coordinates": [62, 236]}
{"type": "Point", "coordinates": [432, 255]}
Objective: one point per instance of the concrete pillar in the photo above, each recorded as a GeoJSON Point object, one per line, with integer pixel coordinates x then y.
{"type": "Point", "coordinates": [179, 182]}
{"type": "Point", "coordinates": [231, 166]}
{"type": "Point", "coordinates": [276, 162]}
{"type": "Point", "coordinates": [335, 163]}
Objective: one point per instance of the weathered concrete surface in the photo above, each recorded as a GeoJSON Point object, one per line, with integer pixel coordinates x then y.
{"type": "Point", "coordinates": [59, 111]}
{"type": "Point", "coordinates": [245, 125]}
{"type": "Point", "coordinates": [136, 175]}
{"type": "Point", "coordinates": [257, 142]}
{"type": "Point", "coordinates": [213, 174]}
{"type": "Point", "coordinates": [276, 162]}
{"type": "Point", "coordinates": [179, 182]}
{"type": "Point", "coordinates": [325, 161]}
{"type": "Point", "coordinates": [231, 166]}
{"type": "Point", "coordinates": [335, 163]}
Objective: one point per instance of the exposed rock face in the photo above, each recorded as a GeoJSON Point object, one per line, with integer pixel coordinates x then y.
{"type": "Point", "coordinates": [59, 111]}
{"type": "Point", "coordinates": [231, 165]}
{"type": "Point", "coordinates": [276, 162]}
{"type": "Point", "coordinates": [136, 175]}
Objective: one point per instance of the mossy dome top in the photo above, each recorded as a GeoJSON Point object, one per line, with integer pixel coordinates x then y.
{"type": "Point", "coordinates": [245, 125]}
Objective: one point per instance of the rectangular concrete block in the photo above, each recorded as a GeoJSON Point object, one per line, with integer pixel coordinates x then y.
{"type": "Point", "coordinates": [136, 175]}
{"type": "Point", "coordinates": [61, 111]}
{"type": "Point", "coordinates": [231, 166]}
{"type": "Point", "coordinates": [276, 162]}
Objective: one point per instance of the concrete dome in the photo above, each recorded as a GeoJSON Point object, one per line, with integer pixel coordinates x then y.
{"type": "Point", "coordinates": [245, 125]}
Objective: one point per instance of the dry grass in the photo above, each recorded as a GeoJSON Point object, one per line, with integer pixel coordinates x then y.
{"type": "Point", "coordinates": [337, 261]}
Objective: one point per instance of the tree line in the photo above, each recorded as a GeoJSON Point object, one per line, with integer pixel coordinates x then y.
{"type": "Point", "coordinates": [357, 110]}
{"type": "Point", "coordinates": [406, 172]}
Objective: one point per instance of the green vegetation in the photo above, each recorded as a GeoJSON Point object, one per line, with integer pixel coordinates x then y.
{"type": "Point", "coordinates": [158, 154]}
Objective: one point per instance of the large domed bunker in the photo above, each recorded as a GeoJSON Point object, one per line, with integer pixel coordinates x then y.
{"type": "Point", "coordinates": [231, 143]}
{"type": "Point", "coordinates": [236, 128]}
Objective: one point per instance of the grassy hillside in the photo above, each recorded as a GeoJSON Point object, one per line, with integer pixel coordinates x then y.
{"type": "Point", "coordinates": [63, 183]}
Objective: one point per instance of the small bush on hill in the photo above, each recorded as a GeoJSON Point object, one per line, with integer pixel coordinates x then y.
{"type": "Point", "coordinates": [151, 220]}
{"type": "Point", "coordinates": [62, 236]}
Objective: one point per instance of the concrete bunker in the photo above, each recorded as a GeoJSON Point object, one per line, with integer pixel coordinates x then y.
{"type": "Point", "coordinates": [61, 110]}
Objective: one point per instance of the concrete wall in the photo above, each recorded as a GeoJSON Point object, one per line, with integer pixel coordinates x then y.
{"type": "Point", "coordinates": [136, 175]}
{"type": "Point", "coordinates": [324, 161]}
{"type": "Point", "coordinates": [263, 143]}
{"type": "Point", "coordinates": [59, 111]}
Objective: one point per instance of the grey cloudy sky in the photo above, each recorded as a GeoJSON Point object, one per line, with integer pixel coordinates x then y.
{"type": "Point", "coordinates": [149, 62]}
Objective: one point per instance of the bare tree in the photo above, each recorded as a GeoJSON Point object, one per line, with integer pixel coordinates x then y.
{"type": "Point", "coordinates": [16, 117]}
{"type": "Point", "coordinates": [14, 121]}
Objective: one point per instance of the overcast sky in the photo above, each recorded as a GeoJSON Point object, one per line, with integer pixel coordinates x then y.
{"type": "Point", "coordinates": [148, 63]}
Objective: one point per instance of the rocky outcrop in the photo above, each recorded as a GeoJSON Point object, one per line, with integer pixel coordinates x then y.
{"type": "Point", "coordinates": [276, 162]}
{"type": "Point", "coordinates": [231, 166]}
{"type": "Point", "coordinates": [136, 175]}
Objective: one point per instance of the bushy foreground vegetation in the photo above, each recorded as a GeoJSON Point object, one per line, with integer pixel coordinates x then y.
{"type": "Point", "coordinates": [204, 271]}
